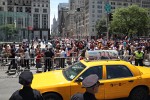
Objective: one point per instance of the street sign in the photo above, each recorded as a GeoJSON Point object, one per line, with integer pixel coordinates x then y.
{"type": "Point", "coordinates": [107, 7]}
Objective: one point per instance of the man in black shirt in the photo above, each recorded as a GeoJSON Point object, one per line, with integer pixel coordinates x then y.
{"type": "Point", "coordinates": [91, 84]}
{"type": "Point", "coordinates": [26, 93]}
{"type": "Point", "coordinates": [12, 63]}
{"type": "Point", "coordinates": [48, 59]}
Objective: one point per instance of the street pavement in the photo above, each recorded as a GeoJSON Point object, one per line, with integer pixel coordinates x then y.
{"type": "Point", "coordinates": [9, 84]}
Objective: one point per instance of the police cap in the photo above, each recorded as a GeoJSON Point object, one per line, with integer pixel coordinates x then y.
{"type": "Point", "coordinates": [90, 81]}
{"type": "Point", "coordinates": [139, 47]}
{"type": "Point", "coordinates": [26, 78]}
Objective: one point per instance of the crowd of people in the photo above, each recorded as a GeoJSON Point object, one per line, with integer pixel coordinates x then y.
{"type": "Point", "coordinates": [59, 52]}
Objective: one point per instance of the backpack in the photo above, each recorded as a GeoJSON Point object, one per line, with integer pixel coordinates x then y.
{"type": "Point", "coordinates": [77, 96]}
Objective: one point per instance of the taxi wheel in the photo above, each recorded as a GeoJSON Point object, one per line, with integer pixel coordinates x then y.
{"type": "Point", "coordinates": [139, 93]}
{"type": "Point", "coordinates": [52, 96]}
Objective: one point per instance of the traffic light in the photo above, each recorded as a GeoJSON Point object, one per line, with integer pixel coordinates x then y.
{"type": "Point", "coordinates": [110, 16]}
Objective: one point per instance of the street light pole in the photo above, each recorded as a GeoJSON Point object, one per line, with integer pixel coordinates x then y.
{"type": "Point", "coordinates": [28, 30]}
{"type": "Point", "coordinates": [107, 35]}
{"type": "Point", "coordinates": [108, 10]}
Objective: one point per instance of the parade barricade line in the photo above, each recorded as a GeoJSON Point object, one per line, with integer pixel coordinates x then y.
{"type": "Point", "coordinates": [54, 67]}
{"type": "Point", "coordinates": [57, 62]}
{"type": "Point", "coordinates": [21, 62]}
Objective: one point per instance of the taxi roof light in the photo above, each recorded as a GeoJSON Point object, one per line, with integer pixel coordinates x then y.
{"type": "Point", "coordinates": [103, 55]}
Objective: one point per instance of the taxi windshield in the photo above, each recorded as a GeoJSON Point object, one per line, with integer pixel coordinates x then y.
{"type": "Point", "coordinates": [71, 72]}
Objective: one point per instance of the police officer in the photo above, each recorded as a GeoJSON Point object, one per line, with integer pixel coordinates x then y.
{"type": "Point", "coordinates": [26, 93]}
{"type": "Point", "coordinates": [139, 55]}
{"type": "Point", "coordinates": [91, 84]}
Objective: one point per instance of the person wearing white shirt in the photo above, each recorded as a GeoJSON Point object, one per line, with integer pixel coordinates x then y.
{"type": "Point", "coordinates": [26, 57]}
{"type": "Point", "coordinates": [62, 57]}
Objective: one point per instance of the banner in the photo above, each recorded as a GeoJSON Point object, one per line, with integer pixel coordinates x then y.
{"type": "Point", "coordinates": [101, 54]}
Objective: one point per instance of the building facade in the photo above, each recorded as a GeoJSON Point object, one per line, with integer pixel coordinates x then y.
{"type": "Point", "coordinates": [37, 22]}
{"type": "Point", "coordinates": [63, 9]}
{"type": "Point", "coordinates": [41, 18]}
{"type": "Point", "coordinates": [54, 28]}
{"type": "Point", "coordinates": [93, 10]}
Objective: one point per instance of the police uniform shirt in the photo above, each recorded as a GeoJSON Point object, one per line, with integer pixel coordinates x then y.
{"type": "Point", "coordinates": [89, 96]}
{"type": "Point", "coordinates": [27, 93]}
{"type": "Point", "coordinates": [85, 96]}
{"type": "Point", "coordinates": [138, 55]}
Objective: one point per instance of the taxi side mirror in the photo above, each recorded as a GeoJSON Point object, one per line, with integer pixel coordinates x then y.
{"type": "Point", "coordinates": [79, 80]}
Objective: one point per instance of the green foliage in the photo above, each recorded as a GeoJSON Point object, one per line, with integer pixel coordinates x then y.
{"type": "Point", "coordinates": [101, 26]}
{"type": "Point", "coordinates": [8, 29]}
{"type": "Point", "coordinates": [131, 20]}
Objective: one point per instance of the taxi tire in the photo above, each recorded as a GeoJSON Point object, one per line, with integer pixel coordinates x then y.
{"type": "Point", "coordinates": [52, 96]}
{"type": "Point", "coordinates": [139, 93]}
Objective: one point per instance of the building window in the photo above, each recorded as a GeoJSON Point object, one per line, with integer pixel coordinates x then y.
{"type": "Point", "coordinates": [36, 10]}
{"type": "Point", "coordinates": [93, 11]}
{"type": "Point", "coordinates": [1, 9]}
{"type": "Point", "coordinates": [34, 5]}
{"type": "Point", "coordinates": [92, 29]}
{"type": "Point", "coordinates": [98, 6]}
{"type": "Point", "coordinates": [38, 5]}
{"type": "Point", "coordinates": [28, 9]}
{"type": "Point", "coordinates": [46, 5]}
{"type": "Point", "coordinates": [10, 9]}
{"type": "Point", "coordinates": [20, 22]}
{"type": "Point", "coordinates": [119, 3]}
{"type": "Point", "coordinates": [19, 9]}
{"type": "Point", "coordinates": [99, 2]}
{"type": "Point", "coordinates": [44, 10]}
{"type": "Point", "coordinates": [9, 20]}
{"type": "Point", "coordinates": [9, 2]}
{"type": "Point", "coordinates": [36, 20]}
{"type": "Point", "coordinates": [93, 15]}
{"type": "Point", "coordinates": [42, 5]}
{"type": "Point", "coordinates": [125, 4]}
{"type": "Point", "coordinates": [3, 3]}
{"type": "Point", "coordinates": [99, 11]}
{"type": "Point", "coordinates": [113, 3]}
{"type": "Point", "coordinates": [112, 7]}
{"type": "Point", "coordinates": [93, 6]}
{"type": "Point", "coordinates": [45, 21]}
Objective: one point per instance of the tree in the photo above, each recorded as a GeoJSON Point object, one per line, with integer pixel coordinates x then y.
{"type": "Point", "coordinates": [8, 29]}
{"type": "Point", "coordinates": [131, 20]}
{"type": "Point", "coordinates": [101, 26]}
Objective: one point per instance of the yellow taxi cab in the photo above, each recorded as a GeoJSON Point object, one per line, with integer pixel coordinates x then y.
{"type": "Point", "coordinates": [118, 79]}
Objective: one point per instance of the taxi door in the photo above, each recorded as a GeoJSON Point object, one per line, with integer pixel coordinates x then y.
{"type": "Point", "coordinates": [76, 87]}
{"type": "Point", "coordinates": [119, 82]}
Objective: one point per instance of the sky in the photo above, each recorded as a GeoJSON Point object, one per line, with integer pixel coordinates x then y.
{"type": "Point", "coordinates": [54, 8]}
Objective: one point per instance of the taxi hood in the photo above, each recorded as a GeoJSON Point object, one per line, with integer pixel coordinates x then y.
{"type": "Point", "coordinates": [48, 79]}
{"type": "Point", "coordinates": [143, 70]}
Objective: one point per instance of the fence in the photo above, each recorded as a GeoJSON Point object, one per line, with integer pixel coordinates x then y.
{"type": "Point", "coordinates": [33, 65]}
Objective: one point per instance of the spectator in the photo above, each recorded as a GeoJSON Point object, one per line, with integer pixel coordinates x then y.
{"type": "Point", "coordinates": [12, 63]}
{"type": "Point", "coordinates": [62, 57]}
{"type": "Point", "coordinates": [27, 57]}
{"type": "Point", "coordinates": [26, 93]}
{"type": "Point", "coordinates": [32, 54]}
{"type": "Point", "coordinates": [38, 60]}
{"type": "Point", "coordinates": [49, 55]}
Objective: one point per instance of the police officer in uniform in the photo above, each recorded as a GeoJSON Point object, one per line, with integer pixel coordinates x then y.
{"type": "Point", "coordinates": [26, 93]}
{"type": "Point", "coordinates": [91, 84]}
{"type": "Point", "coordinates": [139, 55]}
